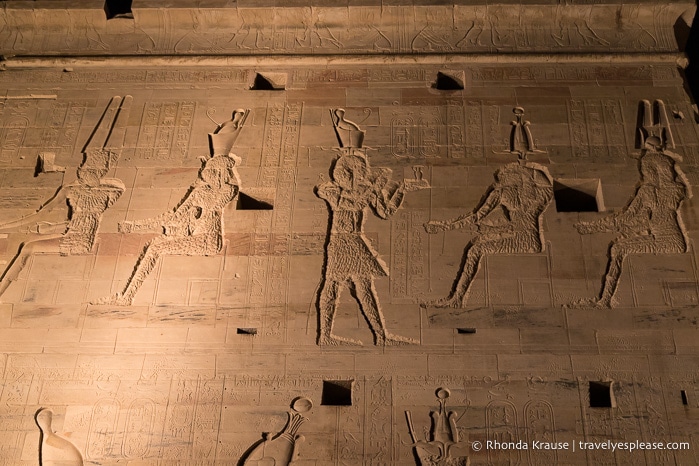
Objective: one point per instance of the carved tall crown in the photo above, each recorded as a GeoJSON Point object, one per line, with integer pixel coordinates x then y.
{"type": "Point", "coordinates": [222, 140]}
{"type": "Point", "coordinates": [348, 133]}
{"type": "Point", "coordinates": [653, 129]}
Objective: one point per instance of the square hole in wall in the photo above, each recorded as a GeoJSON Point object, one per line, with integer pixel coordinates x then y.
{"type": "Point", "coordinates": [449, 81]}
{"type": "Point", "coordinates": [685, 397]}
{"type": "Point", "coordinates": [248, 202]}
{"type": "Point", "coordinates": [577, 195]}
{"type": "Point", "coordinates": [118, 9]}
{"type": "Point", "coordinates": [269, 82]}
{"type": "Point", "coordinates": [602, 395]}
{"type": "Point", "coordinates": [337, 393]}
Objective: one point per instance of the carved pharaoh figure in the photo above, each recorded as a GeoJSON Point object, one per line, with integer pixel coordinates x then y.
{"type": "Point", "coordinates": [195, 226]}
{"type": "Point", "coordinates": [83, 201]}
{"type": "Point", "coordinates": [651, 222]}
{"type": "Point", "coordinates": [522, 191]}
{"type": "Point", "coordinates": [349, 258]}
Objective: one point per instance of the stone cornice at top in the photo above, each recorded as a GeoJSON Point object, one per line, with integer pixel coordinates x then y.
{"type": "Point", "coordinates": [263, 28]}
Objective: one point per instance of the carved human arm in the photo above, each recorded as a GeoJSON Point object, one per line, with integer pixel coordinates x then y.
{"type": "Point", "coordinates": [617, 221]}
{"type": "Point", "coordinates": [38, 218]}
{"type": "Point", "coordinates": [462, 221]}
{"type": "Point", "coordinates": [388, 197]}
{"type": "Point", "coordinates": [147, 224]}
{"type": "Point", "coordinates": [329, 192]}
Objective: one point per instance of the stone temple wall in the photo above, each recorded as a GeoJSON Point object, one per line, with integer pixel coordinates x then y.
{"type": "Point", "coordinates": [348, 235]}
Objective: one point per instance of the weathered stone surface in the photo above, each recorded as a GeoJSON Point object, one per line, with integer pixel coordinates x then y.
{"type": "Point", "coordinates": [342, 261]}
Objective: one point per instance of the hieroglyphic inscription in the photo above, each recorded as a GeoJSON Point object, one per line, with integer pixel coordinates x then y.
{"type": "Point", "coordinates": [494, 135]}
{"type": "Point", "coordinates": [17, 117]}
{"type": "Point", "coordinates": [626, 420]}
{"type": "Point", "coordinates": [652, 408]}
{"type": "Point", "coordinates": [399, 255]}
{"type": "Point", "coordinates": [397, 75]}
{"type": "Point", "coordinates": [138, 430]}
{"type": "Point", "coordinates": [456, 138]}
{"type": "Point", "coordinates": [257, 283]}
{"type": "Point", "coordinates": [561, 73]}
{"type": "Point", "coordinates": [501, 426]}
{"type": "Point", "coordinates": [430, 133]}
{"type": "Point", "coordinates": [378, 428]}
{"type": "Point", "coordinates": [597, 128]}
{"type": "Point", "coordinates": [206, 418]}
{"type": "Point", "coordinates": [165, 130]}
{"type": "Point", "coordinates": [403, 136]}
{"type": "Point", "coordinates": [179, 432]}
{"type": "Point", "coordinates": [63, 122]}
{"type": "Point", "coordinates": [578, 128]}
{"type": "Point", "coordinates": [269, 276]}
{"type": "Point", "coordinates": [103, 422]}
{"type": "Point", "coordinates": [427, 133]}
{"type": "Point", "coordinates": [283, 204]}
{"type": "Point", "coordinates": [614, 127]}
{"type": "Point", "coordinates": [417, 259]}
{"type": "Point", "coordinates": [13, 134]}
{"type": "Point", "coordinates": [474, 129]}
{"type": "Point", "coordinates": [540, 426]}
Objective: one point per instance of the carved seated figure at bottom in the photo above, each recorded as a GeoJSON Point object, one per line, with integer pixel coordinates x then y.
{"type": "Point", "coordinates": [194, 228]}
{"type": "Point", "coordinates": [523, 191]}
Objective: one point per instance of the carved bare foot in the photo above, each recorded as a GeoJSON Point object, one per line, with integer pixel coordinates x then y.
{"type": "Point", "coordinates": [444, 302]}
{"type": "Point", "coordinates": [333, 340]}
{"type": "Point", "coordinates": [116, 299]}
{"type": "Point", "coordinates": [590, 304]}
{"type": "Point", "coordinates": [395, 340]}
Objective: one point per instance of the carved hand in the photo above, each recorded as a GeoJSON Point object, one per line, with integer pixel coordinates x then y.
{"type": "Point", "coordinates": [585, 228]}
{"type": "Point", "coordinates": [126, 226]}
{"type": "Point", "coordinates": [435, 226]}
{"type": "Point", "coordinates": [414, 184]}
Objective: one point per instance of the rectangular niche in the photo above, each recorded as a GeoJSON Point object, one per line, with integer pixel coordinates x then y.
{"type": "Point", "coordinates": [602, 395]}
{"type": "Point", "coordinates": [337, 393]}
{"type": "Point", "coordinates": [578, 195]}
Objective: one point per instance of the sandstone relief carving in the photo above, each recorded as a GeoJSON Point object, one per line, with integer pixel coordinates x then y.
{"type": "Point", "coordinates": [509, 220]}
{"type": "Point", "coordinates": [443, 446]}
{"type": "Point", "coordinates": [651, 223]}
{"type": "Point", "coordinates": [350, 260]}
{"type": "Point", "coordinates": [53, 449]}
{"type": "Point", "coordinates": [283, 448]}
{"type": "Point", "coordinates": [83, 201]}
{"type": "Point", "coordinates": [195, 226]}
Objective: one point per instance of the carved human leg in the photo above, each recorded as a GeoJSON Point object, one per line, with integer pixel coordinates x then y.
{"type": "Point", "coordinates": [516, 244]}
{"type": "Point", "coordinates": [369, 304]}
{"type": "Point", "coordinates": [327, 305]}
{"type": "Point", "coordinates": [189, 245]}
{"type": "Point", "coordinates": [469, 268]}
{"type": "Point", "coordinates": [619, 250]}
{"type": "Point", "coordinates": [50, 245]}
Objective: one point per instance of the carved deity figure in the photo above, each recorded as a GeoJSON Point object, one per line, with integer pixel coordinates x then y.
{"type": "Point", "coordinates": [651, 222]}
{"type": "Point", "coordinates": [349, 258]}
{"type": "Point", "coordinates": [443, 446]}
{"type": "Point", "coordinates": [195, 226]}
{"type": "Point", "coordinates": [53, 449]}
{"type": "Point", "coordinates": [84, 201]}
{"type": "Point", "coordinates": [521, 193]}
